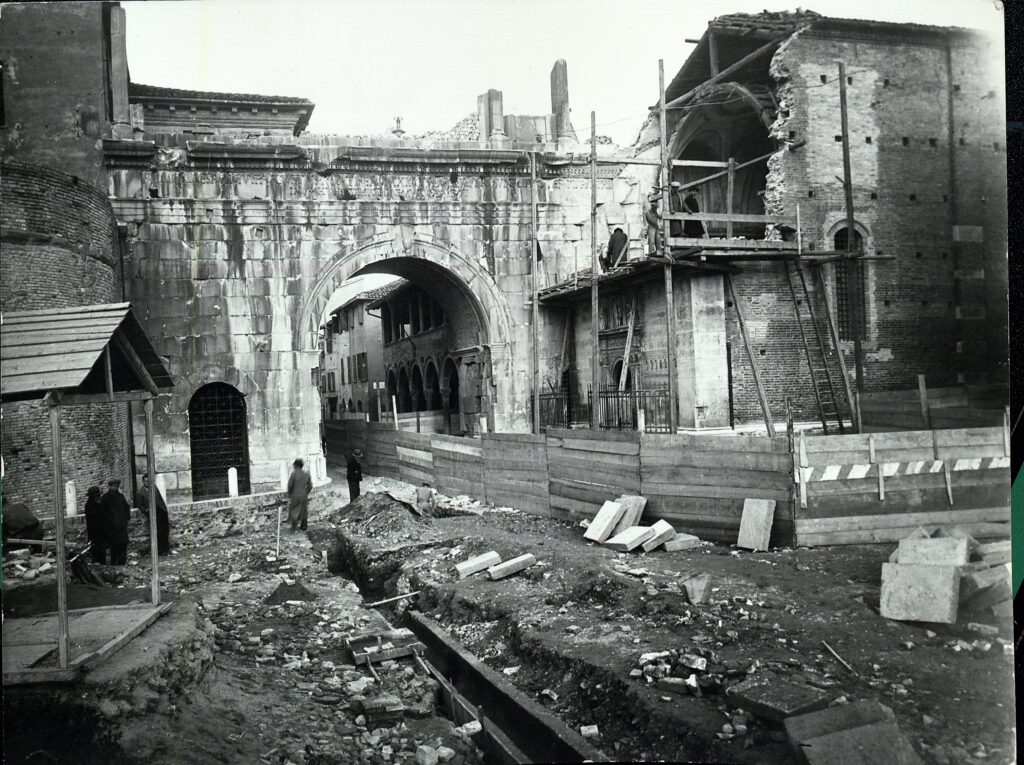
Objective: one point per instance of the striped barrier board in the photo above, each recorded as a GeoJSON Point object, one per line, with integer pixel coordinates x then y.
{"type": "Point", "coordinates": [890, 469]}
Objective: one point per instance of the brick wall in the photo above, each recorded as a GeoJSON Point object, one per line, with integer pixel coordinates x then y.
{"type": "Point", "coordinates": [58, 251]}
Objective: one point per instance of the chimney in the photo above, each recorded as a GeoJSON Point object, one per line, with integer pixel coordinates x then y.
{"type": "Point", "coordinates": [560, 101]}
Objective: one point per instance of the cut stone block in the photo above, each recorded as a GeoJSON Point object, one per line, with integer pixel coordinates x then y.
{"type": "Point", "coordinates": [979, 580]}
{"type": "Point", "coordinates": [990, 596]}
{"type": "Point", "coordinates": [632, 508]}
{"type": "Point", "coordinates": [776, 699]}
{"type": "Point", "coordinates": [674, 685]}
{"type": "Point", "coordinates": [697, 588]}
{"type": "Point", "coordinates": [946, 551]}
{"type": "Point", "coordinates": [994, 547]}
{"type": "Point", "coordinates": [513, 566]}
{"type": "Point", "coordinates": [604, 522]}
{"type": "Point", "coordinates": [756, 524]}
{"type": "Point", "coordinates": [802, 728]}
{"type": "Point", "coordinates": [920, 593]}
{"type": "Point", "coordinates": [663, 532]}
{"type": "Point", "coordinates": [919, 533]}
{"type": "Point", "coordinates": [631, 538]}
{"type": "Point", "coordinates": [476, 564]}
{"type": "Point", "coordinates": [681, 542]}
{"type": "Point", "coordinates": [960, 533]}
{"type": "Point", "coordinates": [866, 745]}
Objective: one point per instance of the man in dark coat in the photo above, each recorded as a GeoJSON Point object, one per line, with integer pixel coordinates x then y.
{"type": "Point", "coordinates": [652, 217]}
{"type": "Point", "coordinates": [617, 246]}
{"type": "Point", "coordinates": [118, 513]}
{"type": "Point", "coordinates": [693, 228]}
{"type": "Point", "coordinates": [354, 473]}
{"type": "Point", "coordinates": [163, 521]}
{"type": "Point", "coordinates": [19, 523]}
{"type": "Point", "coordinates": [97, 525]}
{"type": "Point", "coordinates": [299, 487]}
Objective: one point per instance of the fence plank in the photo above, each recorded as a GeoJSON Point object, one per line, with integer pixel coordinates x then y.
{"type": "Point", "coordinates": [516, 471]}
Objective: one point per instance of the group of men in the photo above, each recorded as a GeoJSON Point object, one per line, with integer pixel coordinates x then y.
{"type": "Point", "coordinates": [107, 516]}
{"type": "Point", "coordinates": [300, 485]}
{"type": "Point", "coordinates": [618, 244]}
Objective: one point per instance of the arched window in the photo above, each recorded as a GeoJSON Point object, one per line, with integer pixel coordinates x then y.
{"type": "Point", "coordinates": [219, 439]}
{"type": "Point", "coordinates": [850, 289]}
{"type": "Point", "coordinates": [617, 375]}
{"type": "Point", "coordinates": [432, 387]}
{"type": "Point", "coordinates": [451, 376]}
{"type": "Point", "coordinates": [359, 406]}
{"type": "Point", "coordinates": [404, 404]}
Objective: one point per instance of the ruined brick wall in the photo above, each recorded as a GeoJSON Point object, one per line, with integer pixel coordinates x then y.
{"type": "Point", "coordinates": [43, 44]}
{"type": "Point", "coordinates": [58, 250]}
{"type": "Point", "coordinates": [938, 305]}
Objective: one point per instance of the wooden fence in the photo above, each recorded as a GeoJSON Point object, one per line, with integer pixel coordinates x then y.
{"type": "Point", "coordinates": [698, 483]}
{"type": "Point", "coordinates": [585, 469]}
{"type": "Point", "coordinates": [515, 471]}
{"type": "Point", "coordinates": [879, 487]}
{"type": "Point", "coordinates": [828, 489]}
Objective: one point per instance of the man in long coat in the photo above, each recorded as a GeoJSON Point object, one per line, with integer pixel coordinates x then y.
{"type": "Point", "coordinates": [163, 521]}
{"type": "Point", "coordinates": [97, 525]}
{"type": "Point", "coordinates": [354, 473]}
{"type": "Point", "coordinates": [118, 513]}
{"type": "Point", "coordinates": [299, 487]}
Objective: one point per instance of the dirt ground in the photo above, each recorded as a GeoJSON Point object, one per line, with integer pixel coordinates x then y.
{"type": "Point", "coordinates": [569, 631]}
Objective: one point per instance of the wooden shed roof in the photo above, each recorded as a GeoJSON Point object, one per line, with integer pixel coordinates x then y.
{"type": "Point", "coordinates": [63, 350]}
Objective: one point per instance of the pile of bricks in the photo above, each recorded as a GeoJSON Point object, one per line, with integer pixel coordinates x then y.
{"type": "Point", "coordinates": [617, 526]}
{"type": "Point", "coordinates": [945, 577]}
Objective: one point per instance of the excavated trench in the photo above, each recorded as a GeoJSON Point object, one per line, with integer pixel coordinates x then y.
{"type": "Point", "coordinates": [563, 689]}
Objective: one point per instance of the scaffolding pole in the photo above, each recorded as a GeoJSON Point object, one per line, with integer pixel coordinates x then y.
{"type": "Point", "coordinates": [534, 270]}
{"type": "Point", "coordinates": [595, 360]}
{"type": "Point", "coordinates": [670, 313]}
{"type": "Point", "coordinates": [858, 291]}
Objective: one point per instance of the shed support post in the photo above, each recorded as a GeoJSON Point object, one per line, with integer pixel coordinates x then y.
{"type": "Point", "coordinates": [151, 472]}
{"type": "Point", "coordinates": [58, 519]}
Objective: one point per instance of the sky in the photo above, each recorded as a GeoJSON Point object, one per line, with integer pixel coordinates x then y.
{"type": "Point", "coordinates": [365, 62]}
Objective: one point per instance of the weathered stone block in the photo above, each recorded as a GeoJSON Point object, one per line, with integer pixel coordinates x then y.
{"type": "Point", "coordinates": [630, 539]}
{"type": "Point", "coordinates": [476, 564]}
{"type": "Point", "coordinates": [663, 532]}
{"type": "Point", "coordinates": [776, 699]}
{"type": "Point", "coordinates": [922, 593]}
{"type": "Point", "coordinates": [632, 509]}
{"type": "Point", "coordinates": [509, 567]}
{"type": "Point", "coordinates": [681, 542]}
{"type": "Point", "coordinates": [756, 524]}
{"type": "Point", "coordinates": [604, 522]}
{"type": "Point", "coordinates": [945, 551]}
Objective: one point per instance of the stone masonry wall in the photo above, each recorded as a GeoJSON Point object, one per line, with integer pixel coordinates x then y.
{"type": "Point", "coordinates": [58, 251]}
{"type": "Point", "coordinates": [230, 258]}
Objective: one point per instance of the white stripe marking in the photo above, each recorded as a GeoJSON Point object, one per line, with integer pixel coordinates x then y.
{"type": "Point", "coordinates": [859, 471]}
{"type": "Point", "coordinates": [1000, 462]}
{"type": "Point", "coordinates": [890, 468]}
{"type": "Point", "coordinates": [936, 467]}
{"type": "Point", "coordinates": [831, 473]}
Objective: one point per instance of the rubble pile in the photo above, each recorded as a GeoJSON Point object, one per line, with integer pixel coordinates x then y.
{"type": "Point", "coordinates": [27, 565]}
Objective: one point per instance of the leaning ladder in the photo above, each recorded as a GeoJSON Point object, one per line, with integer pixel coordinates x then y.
{"type": "Point", "coordinates": [816, 352]}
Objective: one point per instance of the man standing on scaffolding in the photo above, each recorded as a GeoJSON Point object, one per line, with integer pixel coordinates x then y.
{"type": "Point", "coordinates": [653, 219]}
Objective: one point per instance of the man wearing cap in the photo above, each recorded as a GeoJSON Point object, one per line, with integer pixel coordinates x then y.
{"type": "Point", "coordinates": [653, 220]}
{"type": "Point", "coordinates": [675, 204]}
{"type": "Point", "coordinates": [299, 487]}
{"type": "Point", "coordinates": [693, 228]}
{"type": "Point", "coordinates": [354, 473]}
{"type": "Point", "coordinates": [117, 514]}
{"type": "Point", "coordinates": [617, 246]}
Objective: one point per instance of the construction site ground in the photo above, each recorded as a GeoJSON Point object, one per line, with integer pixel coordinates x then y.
{"type": "Point", "coordinates": [569, 631]}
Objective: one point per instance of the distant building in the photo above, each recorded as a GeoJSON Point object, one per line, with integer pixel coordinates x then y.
{"type": "Point", "coordinates": [352, 368]}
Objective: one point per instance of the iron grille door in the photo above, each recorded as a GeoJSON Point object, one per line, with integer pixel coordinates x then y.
{"type": "Point", "coordinates": [219, 438]}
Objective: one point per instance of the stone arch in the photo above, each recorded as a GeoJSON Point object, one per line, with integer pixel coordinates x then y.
{"type": "Point", "coordinates": [404, 253]}
{"type": "Point", "coordinates": [432, 385]}
{"type": "Point", "coordinates": [218, 439]}
{"type": "Point", "coordinates": [417, 392]}
{"type": "Point", "coordinates": [842, 275]}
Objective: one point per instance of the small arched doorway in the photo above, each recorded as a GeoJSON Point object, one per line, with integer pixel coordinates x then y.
{"type": "Point", "coordinates": [851, 306]}
{"type": "Point", "coordinates": [416, 390]}
{"type": "Point", "coordinates": [404, 405]}
{"type": "Point", "coordinates": [392, 389]}
{"type": "Point", "coordinates": [433, 387]}
{"type": "Point", "coordinates": [218, 439]}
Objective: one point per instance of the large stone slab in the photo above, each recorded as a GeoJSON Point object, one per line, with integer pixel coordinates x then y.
{"type": "Point", "coordinates": [632, 508]}
{"type": "Point", "coordinates": [512, 566]}
{"type": "Point", "coordinates": [867, 745]}
{"type": "Point", "coordinates": [776, 699]}
{"type": "Point", "coordinates": [944, 551]}
{"type": "Point", "coordinates": [476, 564]}
{"type": "Point", "coordinates": [803, 728]}
{"type": "Point", "coordinates": [756, 524]}
{"type": "Point", "coordinates": [631, 538]}
{"type": "Point", "coordinates": [604, 522]}
{"type": "Point", "coordinates": [663, 532]}
{"type": "Point", "coordinates": [920, 593]}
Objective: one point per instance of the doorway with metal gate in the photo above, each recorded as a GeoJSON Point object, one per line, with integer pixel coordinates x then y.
{"type": "Point", "coordinates": [219, 440]}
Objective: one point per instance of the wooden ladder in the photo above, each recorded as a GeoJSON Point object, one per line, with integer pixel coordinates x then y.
{"type": "Point", "coordinates": [820, 359]}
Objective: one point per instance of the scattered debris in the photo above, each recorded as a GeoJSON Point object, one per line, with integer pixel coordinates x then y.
{"type": "Point", "coordinates": [589, 731]}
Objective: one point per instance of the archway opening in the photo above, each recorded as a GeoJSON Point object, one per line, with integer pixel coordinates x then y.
{"type": "Point", "coordinates": [731, 122]}
{"type": "Point", "coordinates": [433, 387]}
{"type": "Point", "coordinates": [851, 308]}
{"type": "Point", "coordinates": [617, 376]}
{"type": "Point", "coordinates": [404, 396]}
{"type": "Point", "coordinates": [416, 394]}
{"type": "Point", "coordinates": [218, 440]}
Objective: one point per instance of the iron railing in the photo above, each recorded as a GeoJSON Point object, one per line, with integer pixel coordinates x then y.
{"type": "Point", "coordinates": [646, 410]}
